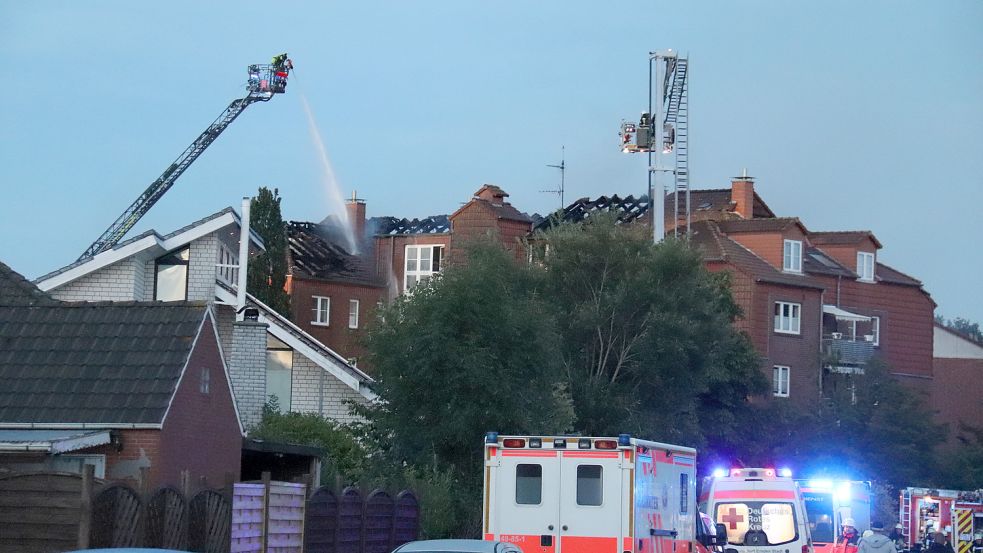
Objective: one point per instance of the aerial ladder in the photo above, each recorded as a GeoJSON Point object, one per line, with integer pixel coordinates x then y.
{"type": "Point", "coordinates": [265, 81]}
{"type": "Point", "coordinates": [664, 132]}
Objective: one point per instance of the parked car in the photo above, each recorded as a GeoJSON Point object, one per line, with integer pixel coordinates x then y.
{"type": "Point", "coordinates": [457, 546]}
{"type": "Point", "coordinates": [127, 550]}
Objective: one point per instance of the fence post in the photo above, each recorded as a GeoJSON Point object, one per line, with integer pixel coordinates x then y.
{"type": "Point", "coordinates": [186, 484]}
{"type": "Point", "coordinates": [266, 510]}
{"type": "Point", "coordinates": [85, 512]}
{"type": "Point", "coordinates": [144, 481]}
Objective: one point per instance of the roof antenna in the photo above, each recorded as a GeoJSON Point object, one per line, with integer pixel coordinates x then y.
{"type": "Point", "coordinates": [563, 170]}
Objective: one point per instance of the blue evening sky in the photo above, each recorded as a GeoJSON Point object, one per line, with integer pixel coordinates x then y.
{"type": "Point", "coordinates": [851, 114]}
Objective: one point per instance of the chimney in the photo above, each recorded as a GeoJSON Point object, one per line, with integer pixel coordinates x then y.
{"type": "Point", "coordinates": [492, 194]}
{"type": "Point", "coordinates": [742, 195]}
{"type": "Point", "coordinates": [356, 216]}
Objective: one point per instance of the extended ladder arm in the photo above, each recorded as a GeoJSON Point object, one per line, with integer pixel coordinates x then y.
{"type": "Point", "coordinates": [260, 90]}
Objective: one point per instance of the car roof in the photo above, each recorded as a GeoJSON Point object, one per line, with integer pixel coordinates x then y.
{"type": "Point", "coordinates": [457, 546]}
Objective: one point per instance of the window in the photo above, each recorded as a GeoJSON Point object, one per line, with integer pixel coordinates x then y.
{"type": "Point", "coordinates": [780, 381]}
{"type": "Point", "coordinates": [322, 311]}
{"type": "Point", "coordinates": [865, 266]}
{"type": "Point", "coordinates": [792, 260]}
{"type": "Point", "coordinates": [279, 367]}
{"type": "Point", "coordinates": [788, 317]}
{"type": "Point", "coordinates": [683, 493]}
{"type": "Point", "coordinates": [421, 263]}
{"type": "Point", "coordinates": [875, 329]}
{"type": "Point", "coordinates": [352, 313]}
{"type": "Point", "coordinates": [171, 283]}
{"type": "Point", "coordinates": [528, 484]}
{"type": "Point", "coordinates": [757, 523]}
{"type": "Point", "coordinates": [589, 485]}
{"type": "Point", "coordinates": [227, 262]}
{"type": "Point", "coordinates": [206, 378]}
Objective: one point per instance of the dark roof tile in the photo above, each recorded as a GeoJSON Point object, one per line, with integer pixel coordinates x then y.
{"type": "Point", "coordinates": [17, 290]}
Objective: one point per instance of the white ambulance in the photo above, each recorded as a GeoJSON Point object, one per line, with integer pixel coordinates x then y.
{"type": "Point", "coordinates": [762, 511]}
{"type": "Point", "coordinates": [562, 494]}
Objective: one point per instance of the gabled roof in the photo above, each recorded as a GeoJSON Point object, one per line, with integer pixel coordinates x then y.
{"type": "Point", "coordinates": [776, 224]}
{"type": "Point", "coordinates": [149, 241]}
{"type": "Point", "coordinates": [313, 253]}
{"type": "Point", "coordinates": [815, 261]}
{"type": "Point", "coordinates": [101, 364]}
{"type": "Point", "coordinates": [492, 198]}
{"type": "Point", "coordinates": [716, 246]}
{"type": "Point", "coordinates": [391, 226]}
{"type": "Point", "coordinates": [845, 237]}
{"type": "Point", "coordinates": [15, 290]}
{"type": "Point", "coordinates": [718, 200]}
{"type": "Point", "coordinates": [883, 273]}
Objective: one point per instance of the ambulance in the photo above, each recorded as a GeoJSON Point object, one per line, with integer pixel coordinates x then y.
{"type": "Point", "coordinates": [563, 494]}
{"type": "Point", "coordinates": [829, 503]}
{"type": "Point", "coordinates": [763, 511]}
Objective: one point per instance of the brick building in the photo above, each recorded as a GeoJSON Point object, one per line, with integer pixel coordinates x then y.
{"type": "Point", "coordinates": [814, 303]}
{"type": "Point", "coordinates": [957, 370]}
{"type": "Point", "coordinates": [129, 387]}
{"type": "Point", "coordinates": [334, 292]}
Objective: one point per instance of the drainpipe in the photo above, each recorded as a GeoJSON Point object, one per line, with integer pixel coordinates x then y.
{"type": "Point", "coordinates": [243, 259]}
{"type": "Point", "coordinates": [822, 302]}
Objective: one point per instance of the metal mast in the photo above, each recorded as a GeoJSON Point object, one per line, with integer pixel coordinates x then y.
{"type": "Point", "coordinates": [264, 82]}
{"type": "Point", "coordinates": [563, 171]}
{"type": "Point", "coordinates": [663, 131]}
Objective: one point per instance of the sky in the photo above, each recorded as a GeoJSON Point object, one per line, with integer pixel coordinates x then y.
{"type": "Point", "coordinates": [851, 115]}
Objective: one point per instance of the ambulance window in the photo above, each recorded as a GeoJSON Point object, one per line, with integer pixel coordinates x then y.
{"type": "Point", "coordinates": [528, 484]}
{"type": "Point", "coordinates": [683, 493]}
{"type": "Point", "coordinates": [589, 485]}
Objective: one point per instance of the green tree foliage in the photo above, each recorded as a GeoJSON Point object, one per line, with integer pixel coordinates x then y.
{"type": "Point", "coordinates": [471, 351]}
{"type": "Point", "coordinates": [343, 455]}
{"type": "Point", "coordinates": [963, 464]}
{"type": "Point", "coordinates": [267, 276]}
{"type": "Point", "coordinates": [645, 327]}
{"type": "Point", "coordinates": [963, 326]}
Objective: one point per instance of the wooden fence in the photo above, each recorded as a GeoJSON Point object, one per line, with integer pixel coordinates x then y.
{"type": "Point", "coordinates": [41, 512]}
{"type": "Point", "coordinates": [347, 523]}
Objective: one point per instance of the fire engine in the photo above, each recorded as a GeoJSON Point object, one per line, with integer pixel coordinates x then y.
{"type": "Point", "coordinates": [957, 513]}
{"type": "Point", "coordinates": [563, 494]}
{"type": "Point", "coordinates": [829, 503]}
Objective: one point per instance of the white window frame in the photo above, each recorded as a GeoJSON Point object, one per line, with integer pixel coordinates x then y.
{"type": "Point", "coordinates": [792, 256]}
{"type": "Point", "coordinates": [793, 316]}
{"type": "Point", "coordinates": [865, 266]}
{"type": "Point", "coordinates": [875, 329]}
{"type": "Point", "coordinates": [227, 271]}
{"type": "Point", "coordinates": [777, 381]}
{"type": "Point", "coordinates": [205, 381]}
{"type": "Point", "coordinates": [353, 306]}
{"type": "Point", "coordinates": [318, 310]}
{"type": "Point", "coordinates": [419, 273]}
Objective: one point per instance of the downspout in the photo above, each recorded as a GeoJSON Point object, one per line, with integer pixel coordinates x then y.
{"type": "Point", "coordinates": [243, 259]}
{"type": "Point", "coordinates": [822, 302]}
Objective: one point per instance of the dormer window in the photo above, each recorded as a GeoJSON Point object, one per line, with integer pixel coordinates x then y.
{"type": "Point", "coordinates": [171, 283]}
{"type": "Point", "coordinates": [865, 266]}
{"type": "Point", "coordinates": [792, 260]}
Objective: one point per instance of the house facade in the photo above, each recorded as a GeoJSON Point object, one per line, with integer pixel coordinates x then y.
{"type": "Point", "coordinates": [957, 371]}
{"type": "Point", "coordinates": [267, 355]}
{"type": "Point", "coordinates": [128, 387]}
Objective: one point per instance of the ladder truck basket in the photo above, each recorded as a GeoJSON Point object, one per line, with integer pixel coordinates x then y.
{"type": "Point", "coordinates": [265, 80]}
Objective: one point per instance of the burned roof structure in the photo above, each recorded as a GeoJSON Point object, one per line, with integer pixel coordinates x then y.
{"type": "Point", "coordinates": [315, 252]}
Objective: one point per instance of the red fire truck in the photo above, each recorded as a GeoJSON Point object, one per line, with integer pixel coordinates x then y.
{"type": "Point", "coordinates": [957, 513]}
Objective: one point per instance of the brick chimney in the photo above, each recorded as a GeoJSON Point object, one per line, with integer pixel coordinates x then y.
{"type": "Point", "coordinates": [742, 195]}
{"type": "Point", "coordinates": [492, 194]}
{"type": "Point", "coordinates": [356, 216]}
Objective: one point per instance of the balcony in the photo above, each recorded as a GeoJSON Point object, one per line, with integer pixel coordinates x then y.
{"type": "Point", "coordinates": [846, 355]}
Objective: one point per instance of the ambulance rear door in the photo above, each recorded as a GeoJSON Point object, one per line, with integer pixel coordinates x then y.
{"type": "Point", "coordinates": [526, 499]}
{"type": "Point", "coordinates": [591, 486]}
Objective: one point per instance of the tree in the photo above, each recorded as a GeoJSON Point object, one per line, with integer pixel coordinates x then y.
{"type": "Point", "coordinates": [267, 277]}
{"type": "Point", "coordinates": [647, 328]}
{"type": "Point", "coordinates": [471, 351]}
{"type": "Point", "coordinates": [963, 326]}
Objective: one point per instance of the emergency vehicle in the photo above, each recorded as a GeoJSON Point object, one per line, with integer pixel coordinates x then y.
{"type": "Point", "coordinates": [958, 513]}
{"type": "Point", "coordinates": [562, 494]}
{"type": "Point", "coordinates": [763, 511]}
{"type": "Point", "coordinates": [830, 502]}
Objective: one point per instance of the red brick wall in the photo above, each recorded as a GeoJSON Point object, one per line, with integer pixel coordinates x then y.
{"type": "Point", "coordinates": [200, 433]}
{"type": "Point", "coordinates": [476, 221]}
{"type": "Point", "coordinates": [138, 448]}
{"type": "Point", "coordinates": [957, 391]}
{"type": "Point", "coordinates": [906, 314]}
{"type": "Point", "coordinates": [391, 254]}
{"type": "Point", "coordinates": [800, 352]}
{"type": "Point", "coordinates": [846, 254]}
{"type": "Point", "coordinates": [769, 246]}
{"type": "Point", "coordinates": [336, 335]}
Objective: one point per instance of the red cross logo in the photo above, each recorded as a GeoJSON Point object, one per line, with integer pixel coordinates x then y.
{"type": "Point", "coordinates": [732, 518]}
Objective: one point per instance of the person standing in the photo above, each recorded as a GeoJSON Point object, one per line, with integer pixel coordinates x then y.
{"type": "Point", "coordinates": [876, 542]}
{"type": "Point", "coordinates": [898, 537]}
{"type": "Point", "coordinates": [977, 546]}
{"type": "Point", "coordinates": [850, 534]}
{"type": "Point", "coordinates": [940, 544]}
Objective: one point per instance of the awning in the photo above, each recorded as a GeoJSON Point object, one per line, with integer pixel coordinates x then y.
{"type": "Point", "coordinates": [843, 314]}
{"type": "Point", "coordinates": [52, 441]}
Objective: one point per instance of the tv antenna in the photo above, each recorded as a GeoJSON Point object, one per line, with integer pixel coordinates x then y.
{"type": "Point", "coordinates": [563, 170]}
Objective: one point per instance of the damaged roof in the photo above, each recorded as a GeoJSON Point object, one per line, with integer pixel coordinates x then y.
{"type": "Point", "coordinates": [718, 200]}
{"type": "Point", "coordinates": [391, 226]}
{"type": "Point", "coordinates": [314, 253]}
{"type": "Point", "coordinates": [628, 210]}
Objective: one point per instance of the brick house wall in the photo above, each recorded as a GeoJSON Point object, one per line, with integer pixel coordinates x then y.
{"type": "Point", "coordinates": [248, 370]}
{"type": "Point", "coordinates": [314, 390]}
{"type": "Point", "coordinates": [770, 246]}
{"type": "Point", "coordinates": [846, 254]}
{"type": "Point", "coordinates": [204, 423]}
{"type": "Point", "coordinates": [391, 256]}
{"type": "Point", "coordinates": [478, 221]}
{"type": "Point", "coordinates": [800, 352]}
{"type": "Point", "coordinates": [121, 281]}
{"type": "Point", "coordinates": [342, 339]}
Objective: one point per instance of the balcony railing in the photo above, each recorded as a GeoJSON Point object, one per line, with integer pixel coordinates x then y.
{"type": "Point", "coordinates": [844, 351]}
